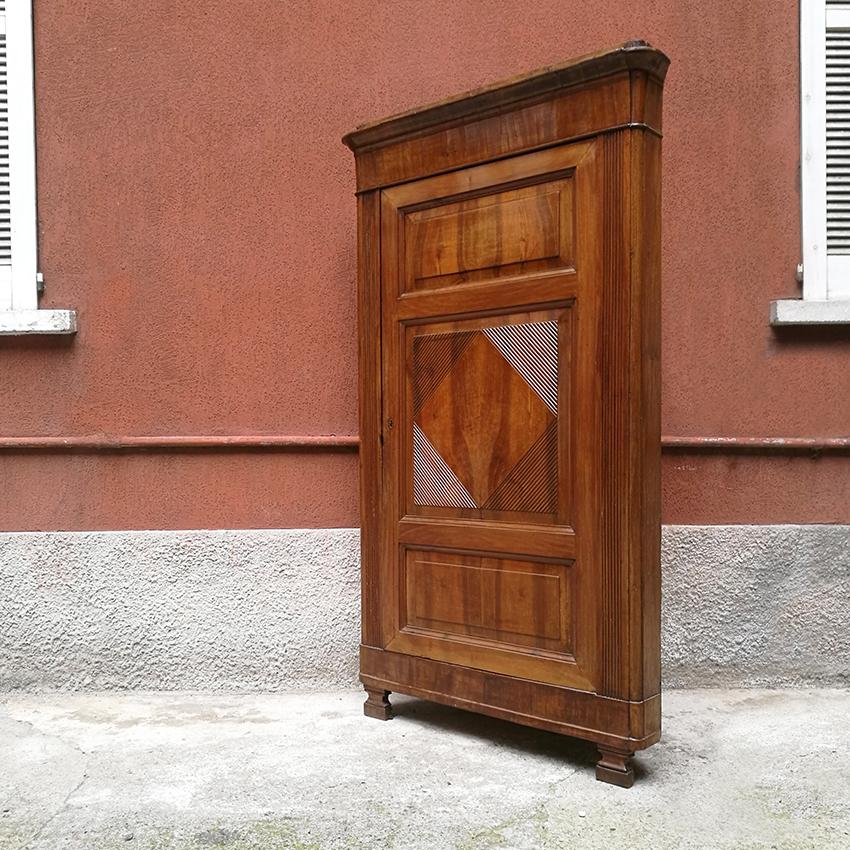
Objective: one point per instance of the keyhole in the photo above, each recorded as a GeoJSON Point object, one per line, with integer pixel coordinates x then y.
{"type": "Point", "coordinates": [390, 424]}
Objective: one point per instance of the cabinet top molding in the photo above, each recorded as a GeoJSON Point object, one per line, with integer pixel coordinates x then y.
{"type": "Point", "coordinates": [508, 95]}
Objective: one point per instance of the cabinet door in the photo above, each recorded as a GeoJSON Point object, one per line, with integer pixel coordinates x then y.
{"type": "Point", "coordinates": [490, 301]}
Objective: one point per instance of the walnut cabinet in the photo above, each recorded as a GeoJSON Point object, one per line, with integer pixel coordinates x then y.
{"type": "Point", "coordinates": [509, 323]}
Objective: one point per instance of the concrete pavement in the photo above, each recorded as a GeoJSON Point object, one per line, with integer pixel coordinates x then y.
{"type": "Point", "coordinates": [736, 769]}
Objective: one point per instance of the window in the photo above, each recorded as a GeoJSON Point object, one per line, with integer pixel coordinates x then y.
{"type": "Point", "coordinates": [825, 163]}
{"type": "Point", "coordinates": [18, 239]}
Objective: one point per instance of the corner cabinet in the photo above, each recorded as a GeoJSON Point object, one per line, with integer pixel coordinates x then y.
{"type": "Point", "coordinates": [509, 329]}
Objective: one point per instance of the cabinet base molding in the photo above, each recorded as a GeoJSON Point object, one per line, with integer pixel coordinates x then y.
{"type": "Point", "coordinates": [579, 714]}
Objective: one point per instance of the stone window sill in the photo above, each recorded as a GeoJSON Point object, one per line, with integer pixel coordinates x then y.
{"type": "Point", "coordinates": [797, 311]}
{"type": "Point", "coordinates": [28, 322]}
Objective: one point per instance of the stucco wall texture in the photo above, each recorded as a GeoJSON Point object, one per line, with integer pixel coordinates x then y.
{"type": "Point", "coordinates": [195, 207]}
{"type": "Point", "coordinates": [279, 610]}
{"type": "Point", "coordinates": [197, 610]}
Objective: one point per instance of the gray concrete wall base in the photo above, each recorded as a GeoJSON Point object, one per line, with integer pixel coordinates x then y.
{"type": "Point", "coordinates": [179, 610]}
{"type": "Point", "coordinates": [756, 605]}
{"type": "Point", "coordinates": [277, 610]}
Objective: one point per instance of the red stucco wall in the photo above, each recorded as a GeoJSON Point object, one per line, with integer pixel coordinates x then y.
{"type": "Point", "coordinates": [196, 208]}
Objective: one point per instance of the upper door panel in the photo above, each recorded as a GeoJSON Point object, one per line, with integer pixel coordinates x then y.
{"type": "Point", "coordinates": [504, 234]}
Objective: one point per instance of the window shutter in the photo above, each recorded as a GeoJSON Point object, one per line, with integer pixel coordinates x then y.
{"type": "Point", "coordinates": [5, 218]}
{"type": "Point", "coordinates": [837, 142]}
{"type": "Point", "coordinates": [17, 159]}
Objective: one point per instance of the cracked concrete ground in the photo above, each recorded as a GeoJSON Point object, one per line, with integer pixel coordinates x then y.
{"type": "Point", "coordinates": [736, 769]}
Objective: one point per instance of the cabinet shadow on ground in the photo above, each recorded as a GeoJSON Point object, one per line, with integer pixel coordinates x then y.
{"type": "Point", "coordinates": [572, 752]}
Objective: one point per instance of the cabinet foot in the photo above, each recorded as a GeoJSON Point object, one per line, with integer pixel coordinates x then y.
{"type": "Point", "coordinates": [377, 705]}
{"type": "Point", "coordinates": [615, 767]}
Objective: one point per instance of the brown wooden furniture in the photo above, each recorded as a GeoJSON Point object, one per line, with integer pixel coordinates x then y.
{"type": "Point", "coordinates": [509, 402]}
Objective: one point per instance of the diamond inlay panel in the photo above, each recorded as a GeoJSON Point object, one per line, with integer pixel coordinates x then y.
{"type": "Point", "coordinates": [485, 418]}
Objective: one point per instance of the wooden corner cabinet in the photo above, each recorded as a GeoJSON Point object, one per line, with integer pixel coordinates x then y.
{"type": "Point", "coordinates": [509, 328]}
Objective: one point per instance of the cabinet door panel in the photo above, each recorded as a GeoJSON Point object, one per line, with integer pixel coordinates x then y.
{"type": "Point", "coordinates": [487, 313]}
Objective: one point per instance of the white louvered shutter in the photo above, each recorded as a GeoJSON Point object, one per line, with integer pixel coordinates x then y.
{"type": "Point", "coordinates": [5, 221]}
{"type": "Point", "coordinates": [825, 143]}
{"type": "Point", "coordinates": [17, 159]}
{"type": "Point", "coordinates": [837, 105]}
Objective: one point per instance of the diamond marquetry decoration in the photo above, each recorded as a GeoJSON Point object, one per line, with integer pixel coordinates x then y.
{"type": "Point", "coordinates": [485, 418]}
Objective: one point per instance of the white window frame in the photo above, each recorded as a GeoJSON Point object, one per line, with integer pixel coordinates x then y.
{"type": "Point", "coordinates": [19, 313]}
{"type": "Point", "coordinates": [826, 279]}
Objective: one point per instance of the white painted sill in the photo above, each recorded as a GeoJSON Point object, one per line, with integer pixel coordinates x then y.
{"type": "Point", "coordinates": [797, 311]}
{"type": "Point", "coordinates": [29, 322]}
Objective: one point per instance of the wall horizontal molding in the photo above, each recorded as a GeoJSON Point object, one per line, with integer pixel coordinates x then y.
{"type": "Point", "coordinates": [212, 442]}
{"type": "Point", "coordinates": [351, 442]}
{"type": "Point", "coordinates": [756, 445]}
